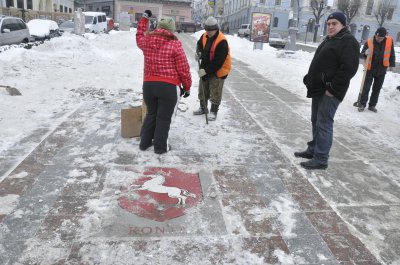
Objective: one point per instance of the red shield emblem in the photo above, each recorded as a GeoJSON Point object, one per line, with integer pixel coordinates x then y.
{"type": "Point", "coordinates": [161, 194]}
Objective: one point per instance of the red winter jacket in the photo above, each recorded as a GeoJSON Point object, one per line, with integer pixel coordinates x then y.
{"type": "Point", "coordinates": [164, 58]}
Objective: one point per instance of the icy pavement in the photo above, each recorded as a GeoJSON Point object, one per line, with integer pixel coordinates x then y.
{"type": "Point", "coordinates": [84, 195]}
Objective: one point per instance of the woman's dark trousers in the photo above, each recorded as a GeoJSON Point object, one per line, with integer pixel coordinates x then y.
{"type": "Point", "coordinates": [161, 99]}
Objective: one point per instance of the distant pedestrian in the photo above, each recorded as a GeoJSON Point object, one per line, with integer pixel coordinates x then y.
{"type": "Point", "coordinates": [165, 69]}
{"type": "Point", "coordinates": [382, 57]}
{"type": "Point", "coordinates": [335, 62]}
{"type": "Point", "coordinates": [213, 50]}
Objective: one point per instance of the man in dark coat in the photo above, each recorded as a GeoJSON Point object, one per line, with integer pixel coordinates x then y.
{"type": "Point", "coordinates": [382, 57]}
{"type": "Point", "coordinates": [335, 62]}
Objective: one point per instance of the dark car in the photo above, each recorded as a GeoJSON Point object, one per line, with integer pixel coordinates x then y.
{"type": "Point", "coordinates": [187, 27]}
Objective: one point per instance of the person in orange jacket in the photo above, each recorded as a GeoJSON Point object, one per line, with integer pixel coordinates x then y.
{"type": "Point", "coordinates": [382, 58]}
{"type": "Point", "coordinates": [215, 65]}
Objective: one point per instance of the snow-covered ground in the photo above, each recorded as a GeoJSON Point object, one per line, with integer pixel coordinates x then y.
{"type": "Point", "coordinates": [58, 77]}
{"type": "Point", "coordinates": [51, 77]}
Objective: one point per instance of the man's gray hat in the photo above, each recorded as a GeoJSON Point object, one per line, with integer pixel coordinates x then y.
{"type": "Point", "coordinates": [211, 24]}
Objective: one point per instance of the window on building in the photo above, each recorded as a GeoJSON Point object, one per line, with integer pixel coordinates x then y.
{"type": "Point", "coordinates": [61, 8]}
{"type": "Point", "coordinates": [278, 2]}
{"type": "Point", "coordinates": [55, 7]}
{"type": "Point", "coordinates": [70, 10]}
{"type": "Point", "coordinates": [276, 21]}
{"type": "Point", "coordinates": [90, 8]}
{"type": "Point", "coordinates": [262, 1]}
{"type": "Point", "coordinates": [390, 13]}
{"type": "Point", "coordinates": [9, 3]}
{"type": "Point", "coordinates": [29, 4]}
{"type": "Point", "coordinates": [20, 3]}
{"type": "Point", "coordinates": [291, 3]}
{"type": "Point", "coordinates": [370, 5]}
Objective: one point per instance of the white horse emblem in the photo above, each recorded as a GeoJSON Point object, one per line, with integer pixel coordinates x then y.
{"type": "Point", "coordinates": [156, 185]}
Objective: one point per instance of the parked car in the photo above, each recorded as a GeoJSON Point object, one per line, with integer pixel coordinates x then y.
{"type": "Point", "coordinates": [95, 22]}
{"type": "Point", "coordinates": [244, 30]}
{"type": "Point", "coordinates": [276, 40]}
{"type": "Point", "coordinates": [67, 26]}
{"type": "Point", "coordinates": [42, 29]}
{"type": "Point", "coordinates": [13, 31]}
{"type": "Point", "coordinates": [187, 27]}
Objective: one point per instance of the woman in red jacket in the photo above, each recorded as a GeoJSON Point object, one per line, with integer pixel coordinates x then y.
{"type": "Point", "coordinates": [165, 69]}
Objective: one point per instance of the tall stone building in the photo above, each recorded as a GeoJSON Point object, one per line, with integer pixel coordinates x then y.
{"type": "Point", "coordinates": [179, 10]}
{"type": "Point", "coordinates": [237, 12]}
{"type": "Point", "coordinates": [30, 9]}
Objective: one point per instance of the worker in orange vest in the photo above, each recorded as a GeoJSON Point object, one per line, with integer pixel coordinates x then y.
{"type": "Point", "coordinates": [382, 56]}
{"type": "Point", "coordinates": [214, 58]}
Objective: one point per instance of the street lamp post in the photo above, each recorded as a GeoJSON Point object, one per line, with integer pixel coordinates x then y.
{"type": "Point", "coordinates": [305, 38]}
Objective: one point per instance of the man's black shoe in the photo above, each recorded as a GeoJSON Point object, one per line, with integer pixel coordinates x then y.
{"type": "Point", "coordinates": [303, 154]}
{"type": "Point", "coordinates": [312, 164]}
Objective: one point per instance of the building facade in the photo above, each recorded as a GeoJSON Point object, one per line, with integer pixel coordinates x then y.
{"type": "Point", "coordinates": [179, 10]}
{"type": "Point", "coordinates": [56, 10]}
{"type": "Point", "coordinates": [237, 12]}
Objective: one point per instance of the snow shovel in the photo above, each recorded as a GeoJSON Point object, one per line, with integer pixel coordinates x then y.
{"type": "Point", "coordinates": [204, 95]}
{"type": "Point", "coordinates": [358, 102]}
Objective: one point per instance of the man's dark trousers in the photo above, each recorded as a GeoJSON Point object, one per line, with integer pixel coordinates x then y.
{"type": "Point", "coordinates": [376, 88]}
{"type": "Point", "coordinates": [323, 111]}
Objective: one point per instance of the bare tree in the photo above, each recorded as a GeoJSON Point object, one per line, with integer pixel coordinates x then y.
{"type": "Point", "coordinates": [349, 8]}
{"type": "Point", "coordinates": [382, 10]}
{"type": "Point", "coordinates": [318, 7]}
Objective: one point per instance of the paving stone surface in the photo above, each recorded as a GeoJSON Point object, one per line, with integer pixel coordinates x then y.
{"type": "Point", "coordinates": [84, 195]}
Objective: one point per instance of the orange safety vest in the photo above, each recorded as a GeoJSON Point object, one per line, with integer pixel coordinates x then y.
{"type": "Point", "coordinates": [226, 67]}
{"type": "Point", "coordinates": [386, 54]}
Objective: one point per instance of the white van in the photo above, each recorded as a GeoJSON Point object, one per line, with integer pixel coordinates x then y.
{"type": "Point", "coordinates": [244, 30]}
{"type": "Point", "coordinates": [95, 22]}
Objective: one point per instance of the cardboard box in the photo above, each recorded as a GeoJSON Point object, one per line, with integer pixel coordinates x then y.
{"type": "Point", "coordinates": [131, 122]}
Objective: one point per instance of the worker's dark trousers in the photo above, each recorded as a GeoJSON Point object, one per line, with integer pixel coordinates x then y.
{"type": "Point", "coordinates": [376, 89]}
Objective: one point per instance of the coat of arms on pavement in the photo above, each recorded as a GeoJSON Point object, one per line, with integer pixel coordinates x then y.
{"type": "Point", "coordinates": [161, 194]}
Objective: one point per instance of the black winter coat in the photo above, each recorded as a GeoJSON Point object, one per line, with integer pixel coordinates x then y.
{"type": "Point", "coordinates": [220, 54]}
{"type": "Point", "coordinates": [335, 62]}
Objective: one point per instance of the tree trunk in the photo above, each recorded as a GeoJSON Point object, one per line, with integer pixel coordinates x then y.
{"type": "Point", "coordinates": [315, 33]}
